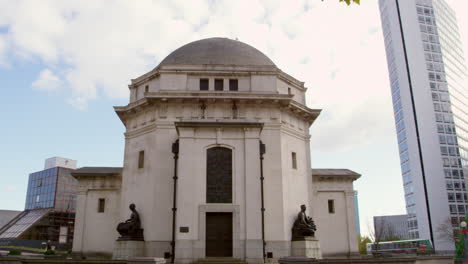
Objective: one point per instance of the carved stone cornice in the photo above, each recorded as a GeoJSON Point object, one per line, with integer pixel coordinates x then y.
{"type": "Point", "coordinates": [224, 124]}
{"type": "Point", "coordinates": [141, 131]}
{"type": "Point", "coordinates": [283, 100]}
{"type": "Point", "coordinates": [99, 182]}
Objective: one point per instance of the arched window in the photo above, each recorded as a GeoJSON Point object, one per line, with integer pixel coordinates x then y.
{"type": "Point", "coordinates": [219, 175]}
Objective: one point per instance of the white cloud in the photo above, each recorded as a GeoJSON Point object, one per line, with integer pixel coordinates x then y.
{"type": "Point", "coordinates": [3, 48]}
{"type": "Point", "coordinates": [10, 188]}
{"type": "Point", "coordinates": [98, 47]}
{"type": "Point", "coordinates": [349, 127]}
{"type": "Point", "coordinates": [47, 81]}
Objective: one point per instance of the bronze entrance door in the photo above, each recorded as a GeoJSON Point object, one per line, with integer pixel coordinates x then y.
{"type": "Point", "coordinates": [219, 234]}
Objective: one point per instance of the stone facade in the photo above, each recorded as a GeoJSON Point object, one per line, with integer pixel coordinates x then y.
{"type": "Point", "coordinates": [334, 211]}
{"type": "Point", "coordinates": [95, 231]}
{"type": "Point", "coordinates": [168, 105]}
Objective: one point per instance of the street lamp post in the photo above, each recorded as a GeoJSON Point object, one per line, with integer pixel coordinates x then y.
{"type": "Point", "coordinates": [464, 231]}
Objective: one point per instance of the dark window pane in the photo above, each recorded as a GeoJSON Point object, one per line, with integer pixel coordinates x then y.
{"type": "Point", "coordinates": [101, 205]}
{"type": "Point", "coordinates": [218, 84]}
{"type": "Point", "coordinates": [219, 175]}
{"type": "Point", "coordinates": [331, 206]}
{"type": "Point", "coordinates": [294, 160]}
{"type": "Point", "coordinates": [141, 159]}
{"type": "Point", "coordinates": [233, 86]}
{"type": "Point", "coordinates": [203, 84]}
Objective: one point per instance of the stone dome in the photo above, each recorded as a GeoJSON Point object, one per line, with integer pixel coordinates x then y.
{"type": "Point", "coordinates": [217, 51]}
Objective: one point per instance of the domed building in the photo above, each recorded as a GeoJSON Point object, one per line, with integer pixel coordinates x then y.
{"type": "Point", "coordinates": [216, 163]}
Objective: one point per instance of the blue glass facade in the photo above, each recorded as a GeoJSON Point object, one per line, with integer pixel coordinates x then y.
{"type": "Point", "coordinates": [52, 188]}
{"type": "Point", "coordinates": [41, 189]}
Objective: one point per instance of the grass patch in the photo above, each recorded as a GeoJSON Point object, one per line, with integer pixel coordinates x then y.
{"type": "Point", "coordinates": [35, 250]}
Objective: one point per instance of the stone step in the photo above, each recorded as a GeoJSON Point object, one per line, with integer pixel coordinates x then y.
{"type": "Point", "coordinates": [221, 261]}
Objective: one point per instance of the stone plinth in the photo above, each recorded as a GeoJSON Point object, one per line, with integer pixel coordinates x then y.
{"type": "Point", "coordinates": [297, 260]}
{"type": "Point", "coordinates": [147, 260]}
{"type": "Point", "coordinates": [128, 249]}
{"type": "Point", "coordinates": [308, 247]}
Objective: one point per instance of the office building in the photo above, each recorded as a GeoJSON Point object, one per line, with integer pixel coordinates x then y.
{"type": "Point", "coordinates": [390, 227]}
{"type": "Point", "coordinates": [49, 213]}
{"type": "Point", "coordinates": [427, 72]}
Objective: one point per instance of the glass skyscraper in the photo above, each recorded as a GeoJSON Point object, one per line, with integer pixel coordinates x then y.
{"type": "Point", "coordinates": [427, 76]}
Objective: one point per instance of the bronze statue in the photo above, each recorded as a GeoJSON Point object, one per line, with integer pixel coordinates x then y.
{"type": "Point", "coordinates": [303, 226]}
{"type": "Point", "coordinates": [131, 228]}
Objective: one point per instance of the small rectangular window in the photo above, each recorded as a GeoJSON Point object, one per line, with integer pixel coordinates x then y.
{"type": "Point", "coordinates": [146, 88]}
{"type": "Point", "coordinates": [219, 84]}
{"type": "Point", "coordinates": [204, 84]}
{"type": "Point", "coordinates": [233, 85]}
{"type": "Point", "coordinates": [141, 159]}
{"type": "Point", "coordinates": [101, 205]}
{"type": "Point", "coordinates": [331, 206]}
{"type": "Point", "coordinates": [294, 160]}
{"type": "Point", "coordinates": [451, 197]}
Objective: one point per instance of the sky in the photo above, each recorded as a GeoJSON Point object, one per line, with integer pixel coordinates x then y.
{"type": "Point", "coordinates": [65, 64]}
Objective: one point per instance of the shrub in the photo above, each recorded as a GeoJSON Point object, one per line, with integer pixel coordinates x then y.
{"type": "Point", "coordinates": [49, 252]}
{"type": "Point", "coordinates": [14, 252]}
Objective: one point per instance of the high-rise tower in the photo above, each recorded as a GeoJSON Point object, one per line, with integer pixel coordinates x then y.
{"type": "Point", "coordinates": [427, 72]}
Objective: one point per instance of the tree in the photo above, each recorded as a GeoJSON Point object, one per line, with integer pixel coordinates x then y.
{"type": "Point", "coordinates": [379, 231]}
{"type": "Point", "coordinates": [348, 2]}
{"type": "Point", "coordinates": [460, 246]}
{"type": "Point", "coordinates": [362, 243]}
{"type": "Point", "coordinates": [389, 234]}
{"type": "Point", "coordinates": [446, 232]}
{"type": "Point", "coordinates": [383, 232]}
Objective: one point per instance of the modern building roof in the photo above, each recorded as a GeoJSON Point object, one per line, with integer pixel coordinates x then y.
{"type": "Point", "coordinates": [21, 223]}
{"type": "Point", "coordinates": [217, 51]}
{"type": "Point", "coordinates": [6, 216]}
{"type": "Point", "coordinates": [338, 173]}
{"type": "Point", "coordinates": [95, 171]}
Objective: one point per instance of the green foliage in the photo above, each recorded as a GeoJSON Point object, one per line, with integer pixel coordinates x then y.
{"type": "Point", "coordinates": [362, 242]}
{"type": "Point", "coordinates": [460, 242]}
{"type": "Point", "coordinates": [348, 2]}
{"type": "Point", "coordinates": [391, 238]}
{"type": "Point", "coordinates": [14, 252]}
{"type": "Point", "coordinates": [459, 247]}
{"type": "Point", "coordinates": [49, 252]}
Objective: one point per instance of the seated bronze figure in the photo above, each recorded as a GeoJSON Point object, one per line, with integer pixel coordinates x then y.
{"type": "Point", "coordinates": [131, 228]}
{"type": "Point", "coordinates": [303, 226]}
